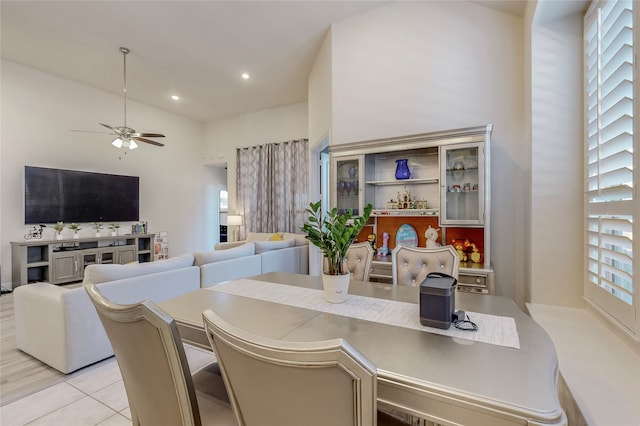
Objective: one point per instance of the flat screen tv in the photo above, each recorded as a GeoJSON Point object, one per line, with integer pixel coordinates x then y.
{"type": "Point", "coordinates": [52, 195]}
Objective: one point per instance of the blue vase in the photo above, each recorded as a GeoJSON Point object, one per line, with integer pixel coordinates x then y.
{"type": "Point", "coordinates": [402, 169]}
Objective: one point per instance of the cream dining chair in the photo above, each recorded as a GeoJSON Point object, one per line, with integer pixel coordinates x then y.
{"type": "Point", "coordinates": [410, 265]}
{"type": "Point", "coordinates": [358, 259]}
{"type": "Point", "coordinates": [154, 367]}
{"type": "Point", "coordinates": [271, 382]}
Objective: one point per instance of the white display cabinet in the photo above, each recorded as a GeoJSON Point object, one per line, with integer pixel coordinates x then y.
{"type": "Point", "coordinates": [448, 188]}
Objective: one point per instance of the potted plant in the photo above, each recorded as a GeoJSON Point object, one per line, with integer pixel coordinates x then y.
{"type": "Point", "coordinates": [59, 226]}
{"type": "Point", "coordinates": [333, 233]}
{"type": "Point", "coordinates": [114, 229]}
{"type": "Point", "coordinates": [97, 226]}
{"type": "Point", "coordinates": [75, 228]}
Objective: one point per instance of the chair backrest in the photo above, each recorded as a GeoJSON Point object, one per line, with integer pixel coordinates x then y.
{"type": "Point", "coordinates": [272, 382]}
{"type": "Point", "coordinates": [358, 260]}
{"type": "Point", "coordinates": [410, 265]}
{"type": "Point", "coordinates": [152, 361]}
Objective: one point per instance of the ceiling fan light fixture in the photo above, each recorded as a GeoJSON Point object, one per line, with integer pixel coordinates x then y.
{"type": "Point", "coordinates": [132, 144]}
{"type": "Point", "coordinates": [117, 142]}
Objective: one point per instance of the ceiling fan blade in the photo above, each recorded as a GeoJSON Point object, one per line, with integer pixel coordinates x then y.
{"type": "Point", "coordinates": [147, 135]}
{"type": "Point", "coordinates": [107, 126]}
{"type": "Point", "coordinates": [139, 139]}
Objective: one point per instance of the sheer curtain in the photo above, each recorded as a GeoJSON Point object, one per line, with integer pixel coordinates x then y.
{"type": "Point", "coordinates": [272, 185]}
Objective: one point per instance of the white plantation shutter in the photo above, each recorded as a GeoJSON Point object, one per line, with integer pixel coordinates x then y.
{"type": "Point", "coordinates": [611, 206]}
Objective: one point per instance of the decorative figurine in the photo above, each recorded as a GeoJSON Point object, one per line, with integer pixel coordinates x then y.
{"type": "Point", "coordinates": [431, 234]}
{"type": "Point", "coordinates": [467, 250]}
{"type": "Point", "coordinates": [476, 257]}
{"type": "Point", "coordinates": [459, 246]}
{"type": "Point", "coordinates": [372, 240]}
{"type": "Point", "coordinates": [384, 250]}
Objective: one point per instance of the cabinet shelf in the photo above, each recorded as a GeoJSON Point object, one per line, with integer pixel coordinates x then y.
{"type": "Point", "coordinates": [405, 212]}
{"type": "Point", "coordinates": [402, 182]}
{"type": "Point", "coordinates": [467, 169]}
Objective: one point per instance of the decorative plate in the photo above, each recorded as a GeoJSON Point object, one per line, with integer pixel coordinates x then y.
{"type": "Point", "coordinates": [407, 236]}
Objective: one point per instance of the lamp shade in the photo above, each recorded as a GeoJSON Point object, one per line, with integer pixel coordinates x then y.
{"type": "Point", "coordinates": [234, 220]}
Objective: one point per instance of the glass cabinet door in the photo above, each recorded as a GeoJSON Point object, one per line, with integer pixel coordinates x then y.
{"type": "Point", "coordinates": [462, 184]}
{"type": "Point", "coordinates": [346, 183]}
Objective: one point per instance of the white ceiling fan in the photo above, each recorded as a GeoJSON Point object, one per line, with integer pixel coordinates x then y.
{"type": "Point", "coordinates": [126, 136]}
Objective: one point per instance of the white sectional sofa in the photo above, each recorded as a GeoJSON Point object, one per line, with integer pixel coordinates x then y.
{"type": "Point", "coordinates": [59, 325]}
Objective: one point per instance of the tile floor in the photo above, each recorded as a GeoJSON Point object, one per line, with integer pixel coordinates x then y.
{"type": "Point", "coordinates": [93, 397]}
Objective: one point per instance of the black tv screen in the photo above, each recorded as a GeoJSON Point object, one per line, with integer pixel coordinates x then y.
{"type": "Point", "coordinates": [52, 195]}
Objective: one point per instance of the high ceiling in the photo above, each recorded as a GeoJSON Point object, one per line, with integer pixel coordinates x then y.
{"type": "Point", "coordinates": [194, 49]}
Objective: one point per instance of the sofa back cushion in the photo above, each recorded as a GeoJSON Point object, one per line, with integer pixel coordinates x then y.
{"type": "Point", "coordinates": [298, 238]}
{"type": "Point", "coordinates": [231, 269]}
{"type": "Point", "coordinates": [264, 246]}
{"type": "Point", "coordinates": [103, 273]}
{"type": "Point", "coordinates": [204, 257]}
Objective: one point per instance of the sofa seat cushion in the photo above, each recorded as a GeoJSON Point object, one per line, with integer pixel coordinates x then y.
{"type": "Point", "coordinates": [204, 257]}
{"type": "Point", "coordinates": [264, 246]}
{"type": "Point", "coordinates": [104, 273]}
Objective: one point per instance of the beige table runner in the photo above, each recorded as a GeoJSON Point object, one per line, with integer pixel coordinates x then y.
{"type": "Point", "coordinates": [493, 329]}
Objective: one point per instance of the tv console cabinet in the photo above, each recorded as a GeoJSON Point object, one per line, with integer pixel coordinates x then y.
{"type": "Point", "coordinates": [63, 261]}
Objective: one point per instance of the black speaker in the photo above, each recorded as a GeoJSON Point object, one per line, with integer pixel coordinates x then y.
{"type": "Point", "coordinates": [437, 300]}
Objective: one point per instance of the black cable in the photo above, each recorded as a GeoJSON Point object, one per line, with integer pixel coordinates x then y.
{"type": "Point", "coordinates": [466, 325]}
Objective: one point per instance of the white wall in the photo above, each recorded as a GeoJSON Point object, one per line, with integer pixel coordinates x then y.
{"type": "Point", "coordinates": [413, 67]}
{"type": "Point", "coordinates": [39, 109]}
{"type": "Point", "coordinates": [272, 125]}
{"type": "Point", "coordinates": [556, 159]}
{"type": "Point", "coordinates": [320, 98]}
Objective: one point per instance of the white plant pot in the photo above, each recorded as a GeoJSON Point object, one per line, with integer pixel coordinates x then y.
{"type": "Point", "coordinates": [97, 234]}
{"type": "Point", "coordinates": [114, 233]}
{"type": "Point", "coordinates": [58, 236]}
{"type": "Point", "coordinates": [336, 287]}
{"type": "Point", "coordinates": [76, 236]}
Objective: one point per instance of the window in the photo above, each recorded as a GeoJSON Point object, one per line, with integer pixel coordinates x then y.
{"type": "Point", "coordinates": [611, 205]}
{"type": "Point", "coordinates": [224, 200]}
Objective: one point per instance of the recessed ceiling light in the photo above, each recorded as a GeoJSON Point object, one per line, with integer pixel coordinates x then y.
{"type": "Point", "coordinates": [246, 76]}
{"type": "Point", "coordinates": [175, 97]}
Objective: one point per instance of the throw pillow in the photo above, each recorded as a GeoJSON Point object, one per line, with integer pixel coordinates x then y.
{"type": "Point", "coordinates": [258, 236]}
{"type": "Point", "coordinates": [204, 257]}
{"type": "Point", "coordinates": [276, 237]}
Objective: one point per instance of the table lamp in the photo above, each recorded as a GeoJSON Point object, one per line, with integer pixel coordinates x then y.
{"type": "Point", "coordinates": [234, 220]}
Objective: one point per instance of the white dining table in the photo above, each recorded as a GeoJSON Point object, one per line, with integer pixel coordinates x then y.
{"type": "Point", "coordinates": [450, 379]}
